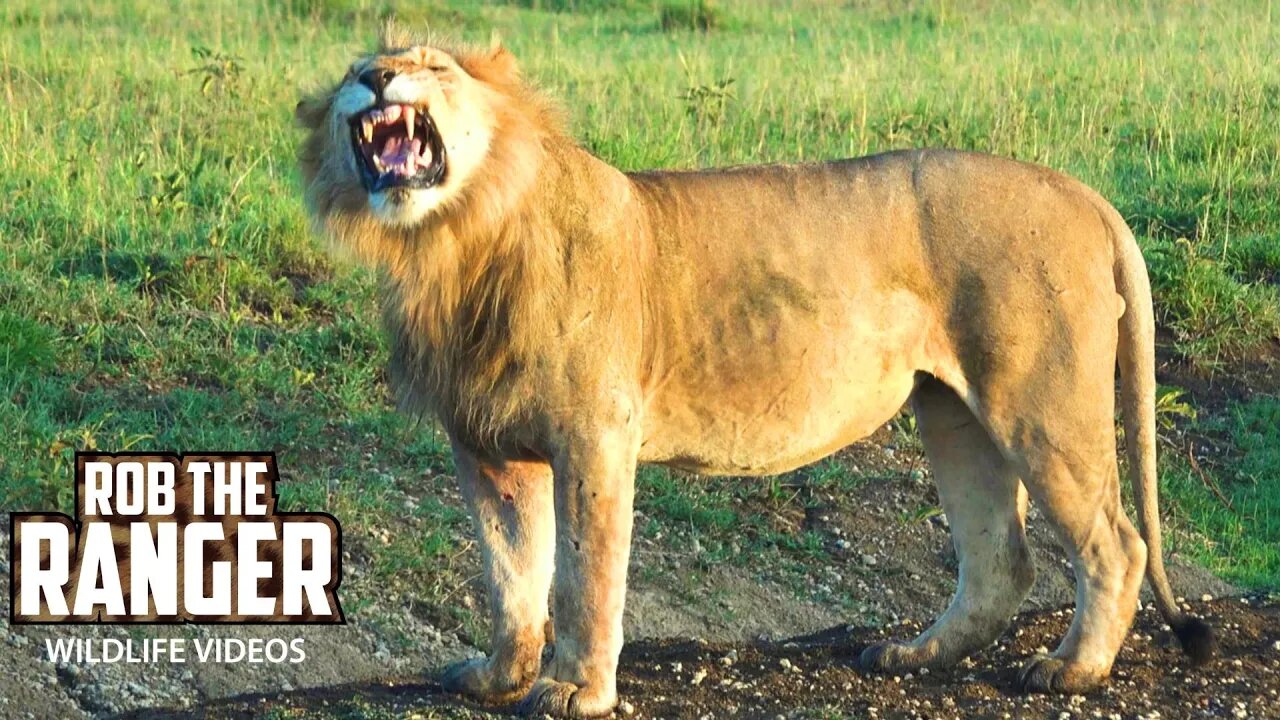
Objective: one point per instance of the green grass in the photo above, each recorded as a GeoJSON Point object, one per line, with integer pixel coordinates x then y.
{"type": "Point", "coordinates": [159, 289]}
{"type": "Point", "coordinates": [1230, 517]}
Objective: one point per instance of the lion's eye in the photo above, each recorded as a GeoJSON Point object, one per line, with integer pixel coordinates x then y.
{"type": "Point", "coordinates": [437, 68]}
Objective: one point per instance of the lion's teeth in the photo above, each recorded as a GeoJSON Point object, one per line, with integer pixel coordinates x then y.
{"type": "Point", "coordinates": [409, 113]}
{"type": "Point", "coordinates": [367, 126]}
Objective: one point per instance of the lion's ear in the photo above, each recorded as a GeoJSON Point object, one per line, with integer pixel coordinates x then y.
{"type": "Point", "coordinates": [496, 65]}
{"type": "Point", "coordinates": [310, 112]}
{"type": "Point", "coordinates": [502, 60]}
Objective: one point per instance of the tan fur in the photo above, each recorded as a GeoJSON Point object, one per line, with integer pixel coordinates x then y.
{"type": "Point", "coordinates": [565, 321]}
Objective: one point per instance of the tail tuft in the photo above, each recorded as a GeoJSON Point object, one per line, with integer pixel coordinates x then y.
{"type": "Point", "coordinates": [1197, 639]}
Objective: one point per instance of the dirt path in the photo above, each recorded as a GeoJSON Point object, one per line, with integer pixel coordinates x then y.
{"type": "Point", "coordinates": [816, 676]}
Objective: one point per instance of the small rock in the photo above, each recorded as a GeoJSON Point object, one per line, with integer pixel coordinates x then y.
{"type": "Point", "coordinates": [729, 658]}
{"type": "Point", "coordinates": [137, 689]}
{"type": "Point", "coordinates": [626, 708]}
{"type": "Point", "coordinates": [785, 663]}
{"type": "Point", "coordinates": [698, 676]}
{"type": "Point", "coordinates": [868, 559]}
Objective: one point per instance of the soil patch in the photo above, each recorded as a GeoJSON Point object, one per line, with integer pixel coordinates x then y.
{"type": "Point", "coordinates": [817, 676]}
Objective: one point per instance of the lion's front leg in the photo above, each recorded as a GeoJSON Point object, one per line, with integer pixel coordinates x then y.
{"type": "Point", "coordinates": [511, 505]}
{"type": "Point", "coordinates": [594, 488]}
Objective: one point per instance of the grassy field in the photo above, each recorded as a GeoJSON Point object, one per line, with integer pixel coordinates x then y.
{"type": "Point", "coordinates": [158, 287]}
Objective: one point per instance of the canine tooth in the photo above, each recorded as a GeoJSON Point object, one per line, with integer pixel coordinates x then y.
{"type": "Point", "coordinates": [409, 114]}
{"type": "Point", "coordinates": [367, 126]}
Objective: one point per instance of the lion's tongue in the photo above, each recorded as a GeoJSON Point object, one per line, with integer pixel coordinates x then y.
{"type": "Point", "coordinates": [403, 156]}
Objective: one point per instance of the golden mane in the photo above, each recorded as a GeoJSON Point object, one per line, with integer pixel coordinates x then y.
{"type": "Point", "coordinates": [467, 294]}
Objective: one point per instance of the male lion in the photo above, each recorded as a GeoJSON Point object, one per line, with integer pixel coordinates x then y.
{"type": "Point", "coordinates": [566, 321]}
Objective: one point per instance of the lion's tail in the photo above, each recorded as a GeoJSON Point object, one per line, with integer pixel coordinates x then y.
{"type": "Point", "coordinates": [1136, 357]}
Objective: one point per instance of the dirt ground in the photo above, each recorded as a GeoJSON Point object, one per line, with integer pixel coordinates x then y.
{"type": "Point", "coordinates": [817, 676]}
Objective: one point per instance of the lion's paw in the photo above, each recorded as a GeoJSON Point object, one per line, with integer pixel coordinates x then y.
{"type": "Point", "coordinates": [1048, 674]}
{"type": "Point", "coordinates": [476, 680]}
{"type": "Point", "coordinates": [564, 700]}
{"type": "Point", "coordinates": [893, 656]}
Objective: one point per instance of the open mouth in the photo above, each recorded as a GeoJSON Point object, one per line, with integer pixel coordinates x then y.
{"type": "Point", "coordinates": [397, 146]}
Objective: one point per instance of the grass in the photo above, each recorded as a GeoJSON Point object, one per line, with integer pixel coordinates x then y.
{"type": "Point", "coordinates": [1229, 518]}
{"type": "Point", "coordinates": [158, 287]}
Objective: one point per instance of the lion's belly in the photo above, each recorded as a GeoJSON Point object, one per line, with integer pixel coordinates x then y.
{"type": "Point", "coordinates": [771, 395]}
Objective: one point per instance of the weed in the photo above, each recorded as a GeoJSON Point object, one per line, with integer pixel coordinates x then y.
{"type": "Point", "coordinates": [708, 102]}
{"type": "Point", "coordinates": [1172, 407]}
{"type": "Point", "coordinates": [26, 344]}
{"type": "Point", "coordinates": [217, 70]}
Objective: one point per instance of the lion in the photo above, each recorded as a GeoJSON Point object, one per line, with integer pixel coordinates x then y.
{"type": "Point", "coordinates": [564, 321]}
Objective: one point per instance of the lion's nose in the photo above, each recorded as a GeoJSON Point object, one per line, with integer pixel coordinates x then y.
{"type": "Point", "coordinates": [377, 79]}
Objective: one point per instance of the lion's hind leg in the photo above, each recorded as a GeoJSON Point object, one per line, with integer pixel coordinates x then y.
{"type": "Point", "coordinates": [1081, 500]}
{"type": "Point", "coordinates": [1064, 449]}
{"type": "Point", "coordinates": [986, 506]}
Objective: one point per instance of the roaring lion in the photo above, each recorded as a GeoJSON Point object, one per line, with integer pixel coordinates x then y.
{"type": "Point", "coordinates": [565, 321]}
